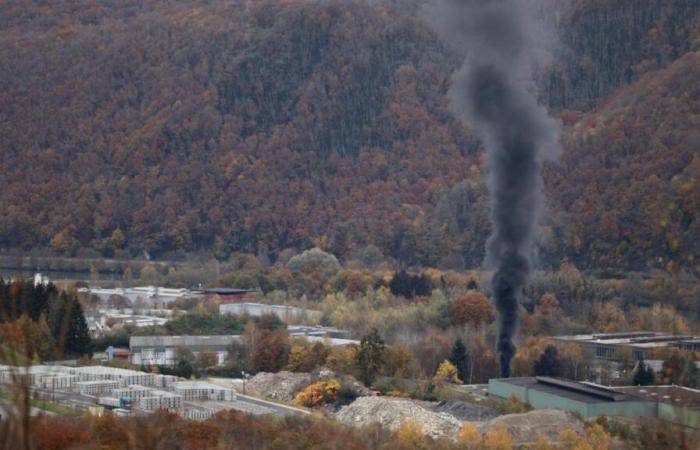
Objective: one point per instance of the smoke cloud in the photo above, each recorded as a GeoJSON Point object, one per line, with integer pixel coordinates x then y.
{"type": "Point", "coordinates": [490, 94]}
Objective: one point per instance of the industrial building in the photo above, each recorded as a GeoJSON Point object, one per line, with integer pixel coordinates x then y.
{"type": "Point", "coordinates": [160, 297]}
{"type": "Point", "coordinates": [161, 350]}
{"type": "Point", "coordinates": [333, 337]}
{"type": "Point", "coordinates": [154, 296]}
{"type": "Point", "coordinates": [644, 344]}
{"type": "Point", "coordinates": [286, 313]}
{"type": "Point", "coordinates": [226, 295]}
{"type": "Point", "coordinates": [673, 403]}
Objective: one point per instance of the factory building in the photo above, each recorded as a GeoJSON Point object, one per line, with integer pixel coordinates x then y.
{"type": "Point", "coordinates": [644, 344]}
{"type": "Point", "coordinates": [161, 350]}
{"type": "Point", "coordinates": [153, 296]}
{"type": "Point", "coordinates": [333, 337]}
{"type": "Point", "coordinates": [673, 403]}
{"type": "Point", "coordinates": [227, 295]}
{"type": "Point", "coordinates": [286, 313]}
{"type": "Point", "coordinates": [200, 390]}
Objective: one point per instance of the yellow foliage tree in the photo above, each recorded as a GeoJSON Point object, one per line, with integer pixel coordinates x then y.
{"type": "Point", "coordinates": [446, 373]}
{"type": "Point", "coordinates": [469, 436]}
{"type": "Point", "coordinates": [498, 439]}
{"type": "Point", "coordinates": [341, 359]}
{"type": "Point", "coordinates": [318, 394]}
{"type": "Point", "coordinates": [527, 354]}
{"type": "Point", "coordinates": [569, 439]}
{"type": "Point", "coordinates": [31, 339]}
{"type": "Point", "coordinates": [542, 443]}
{"type": "Point", "coordinates": [598, 438]}
{"type": "Point", "coordinates": [296, 358]}
{"type": "Point", "coordinates": [410, 436]}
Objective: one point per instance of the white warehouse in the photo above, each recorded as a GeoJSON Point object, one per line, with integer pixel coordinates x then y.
{"type": "Point", "coordinates": [161, 350]}
{"type": "Point", "coordinates": [285, 313]}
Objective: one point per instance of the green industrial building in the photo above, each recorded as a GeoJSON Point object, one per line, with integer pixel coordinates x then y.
{"type": "Point", "coordinates": [673, 403]}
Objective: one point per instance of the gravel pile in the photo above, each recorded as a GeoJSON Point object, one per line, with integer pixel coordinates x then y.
{"type": "Point", "coordinates": [392, 412]}
{"type": "Point", "coordinates": [284, 386]}
{"type": "Point", "coordinates": [281, 386]}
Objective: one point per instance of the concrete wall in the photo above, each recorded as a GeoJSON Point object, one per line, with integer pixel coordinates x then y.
{"type": "Point", "coordinates": [545, 400]}
{"type": "Point", "coordinates": [677, 414]}
{"type": "Point", "coordinates": [505, 390]}
{"type": "Point", "coordinates": [639, 408]}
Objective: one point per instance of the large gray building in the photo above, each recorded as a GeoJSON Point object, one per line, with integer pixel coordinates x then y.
{"type": "Point", "coordinates": [161, 350]}
{"type": "Point", "coordinates": [644, 344]}
{"type": "Point", "coordinates": [286, 313]}
{"type": "Point", "coordinates": [673, 403]}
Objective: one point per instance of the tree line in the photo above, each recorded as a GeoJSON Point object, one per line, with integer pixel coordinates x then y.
{"type": "Point", "coordinates": [38, 321]}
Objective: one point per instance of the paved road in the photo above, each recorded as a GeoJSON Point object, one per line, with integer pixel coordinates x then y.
{"type": "Point", "coordinates": [276, 408]}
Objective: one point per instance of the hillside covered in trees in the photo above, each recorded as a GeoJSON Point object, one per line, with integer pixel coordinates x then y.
{"type": "Point", "coordinates": [222, 127]}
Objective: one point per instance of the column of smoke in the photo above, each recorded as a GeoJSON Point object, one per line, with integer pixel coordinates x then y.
{"type": "Point", "coordinates": [490, 93]}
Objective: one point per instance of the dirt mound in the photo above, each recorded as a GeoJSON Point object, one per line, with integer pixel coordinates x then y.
{"type": "Point", "coordinates": [391, 412]}
{"type": "Point", "coordinates": [527, 427]}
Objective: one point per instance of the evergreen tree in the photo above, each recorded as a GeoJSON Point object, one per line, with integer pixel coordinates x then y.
{"type": "Point", "coordinates": [549, 363]}
{"type": "Point", "coordinates": [460, 360]}
{"type": "Point", "coordinates": [402, 284]}
{"type": "Point", "coordinates": [643, 375]}
{"type": "Point", "coordinates": [78, 340]}
{"type": "Point", "coordinates": [422, 285]}
{"type": "Point", "coordinates": [68, 326]}
{"type": "Point", "coordinates": [692, 374]}
{"type": "Point", "coordinates": [370, 356]}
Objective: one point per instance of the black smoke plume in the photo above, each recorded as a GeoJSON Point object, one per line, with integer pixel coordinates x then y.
{"type": "Point", "coordinates": [490, 93]}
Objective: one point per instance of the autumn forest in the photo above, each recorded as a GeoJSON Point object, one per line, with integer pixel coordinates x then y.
{"type": "Point", "coordinates": [257, 126]}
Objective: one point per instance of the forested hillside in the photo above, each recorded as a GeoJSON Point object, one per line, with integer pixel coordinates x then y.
{"type": "Point", "coordinates": [258, 126]}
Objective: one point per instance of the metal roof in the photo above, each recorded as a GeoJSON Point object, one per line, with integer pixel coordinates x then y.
{"type": "Point", "coordinates": [224, 291]}
{"type": "Point", "coordinates": [568, 389]}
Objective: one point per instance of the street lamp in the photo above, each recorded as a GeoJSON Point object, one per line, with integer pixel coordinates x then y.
{"type": "Point", "coordinates": [245, 377]}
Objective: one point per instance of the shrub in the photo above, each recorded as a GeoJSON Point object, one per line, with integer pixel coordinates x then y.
{"type": "Point", "coordinates": [319, 394]}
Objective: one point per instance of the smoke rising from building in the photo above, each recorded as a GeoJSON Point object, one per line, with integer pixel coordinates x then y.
{"type": "Point", "coordinates": [490, 94]}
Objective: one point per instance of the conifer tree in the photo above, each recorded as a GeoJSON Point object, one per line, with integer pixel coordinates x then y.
{"type": "Point", "coordinates": [643, 375]}
{"type": "Point", "coordinates": [370, 356]}
{"type": "Point", "coordinates": [459, 359]}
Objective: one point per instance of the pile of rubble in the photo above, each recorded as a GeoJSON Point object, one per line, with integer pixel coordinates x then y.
{"type": "Point", "coordinates": [464, 411]}
{"type": "Point", "coordinates": [281, 386]}
{"type": "Point", "coordinates": [392, 412]}
{"type": "Point", "coordinates": [284, 386]}
{"type": "Point", "coordinates": [527, 427]}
